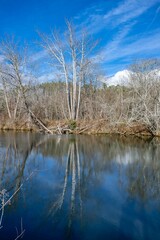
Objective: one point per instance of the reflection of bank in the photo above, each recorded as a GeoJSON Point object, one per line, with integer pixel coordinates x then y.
{"type": "Point", "coordinates": [13, 161]}
{"type": "Point", "coordinates": [17, 150]}
{"type": "Point", "coordinates": [73, 172]}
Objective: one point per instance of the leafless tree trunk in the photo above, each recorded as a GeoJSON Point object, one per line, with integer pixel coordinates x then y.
{"type": "Point", "coordinates": [14, 69]}
{"type": "Point", "coordinates": [146, 97]}
{"type": "Point", "coordinates": [6, 98]}
{"type": "Point", "coordinates": [71, 53]}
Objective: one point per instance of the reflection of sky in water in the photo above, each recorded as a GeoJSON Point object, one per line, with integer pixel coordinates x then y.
{"type": "Point", "coordinates": [131, 157]}
{"type": "Point", "coordinates": [83, 187]}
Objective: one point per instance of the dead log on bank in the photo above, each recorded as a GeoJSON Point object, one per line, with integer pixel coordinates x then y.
{"type": "Point", "coordinates": [39, 123]}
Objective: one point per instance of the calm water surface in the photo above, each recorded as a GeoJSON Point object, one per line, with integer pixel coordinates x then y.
{"type": "Point", "coordinates": [80, 187]}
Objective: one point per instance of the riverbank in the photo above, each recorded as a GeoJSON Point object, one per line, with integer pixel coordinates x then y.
{"type": "Point", "coordinates": [101, 126]}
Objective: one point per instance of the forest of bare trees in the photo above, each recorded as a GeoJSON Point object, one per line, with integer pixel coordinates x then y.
{"type": "Point", "coordinates": [76, 93]}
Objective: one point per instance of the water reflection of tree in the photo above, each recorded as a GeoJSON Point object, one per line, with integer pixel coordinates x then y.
{"type": "Point", "coordinates": [86, 160]}
{"type": "Point", "coordinates": [144, 174]}
{"type": "Point", "coordinates": [89, 157]}
{"type": "Point", "coordinates": [139, 167]}
{"type": "Point", "coordinates": [72, 181]}
{"type": "Point", "coordinates": [16, 149]}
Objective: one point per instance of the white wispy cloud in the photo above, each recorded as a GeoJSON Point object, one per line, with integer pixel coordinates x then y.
{"type": "Point", "coordinates": [46, 77]}
{"type": "Point", "coordinates": [38, 56]}
{"type": "Point", "coordinates": [126, 11]}
{"type": "Point", "coordinates": [1, 58]}
{"type": "Point", "coordinates": [145, 46]}
{"type": "Point", "coordinates": [129, 9]}
{"type": "Point", "coordinates": [119, 37]}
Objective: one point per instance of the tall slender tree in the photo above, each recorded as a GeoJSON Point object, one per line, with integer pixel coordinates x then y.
{"type": "Point", "coordinates": [70, 54]}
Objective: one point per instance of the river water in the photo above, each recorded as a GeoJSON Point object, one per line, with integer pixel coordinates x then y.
{"type": "Point", "coordinates": [79, 187]}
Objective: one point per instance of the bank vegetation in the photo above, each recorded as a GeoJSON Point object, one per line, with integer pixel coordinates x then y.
{"type": "Point", "coordinates": [76, 101]}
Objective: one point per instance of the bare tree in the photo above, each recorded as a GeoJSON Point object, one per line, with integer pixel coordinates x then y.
{"type": "Point", "coordinates": [15, 72]}
{"type": "Point", "coordinates": [11, 95]}
{"type": "Point", "coordinates": [70, 54]}
{"type": "Point", "coordinates": [145, 95]}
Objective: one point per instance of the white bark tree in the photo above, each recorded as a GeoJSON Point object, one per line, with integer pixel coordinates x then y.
{"type": "Point", "coordinates": [9, 90]}
{"type": "Point", "coordinates": [70, 56]}
{"type": "Point", "coordinates": [145, 95]}
{"type": "Point", "coordinates": [15, 72]}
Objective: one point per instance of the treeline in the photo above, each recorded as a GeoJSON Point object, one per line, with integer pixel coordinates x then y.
{"type": "Point", "coordinates": [76, 92]}
{"type": "Point", "coordinates": [139, 102]}
{"type": "Point", "coordinates": [48, 102]}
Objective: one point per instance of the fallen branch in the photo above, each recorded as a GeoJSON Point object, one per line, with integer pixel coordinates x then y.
{"type": "Point", "coordinates": [39, 123]}
{"type": "Point", "coordinates": [20, 235]}
{"type": "Point", "coordinates": [8, 201]}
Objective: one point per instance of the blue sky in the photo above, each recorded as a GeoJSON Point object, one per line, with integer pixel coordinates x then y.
{"type": "Point", "coordinates": [127, 29]}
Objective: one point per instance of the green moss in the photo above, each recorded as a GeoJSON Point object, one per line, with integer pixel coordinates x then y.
{"type": "Point", "coordinates": [72, 124]}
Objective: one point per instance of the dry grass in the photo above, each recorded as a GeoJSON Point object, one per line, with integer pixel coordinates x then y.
{"type": "Point", "coordinates": [100, 126]}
